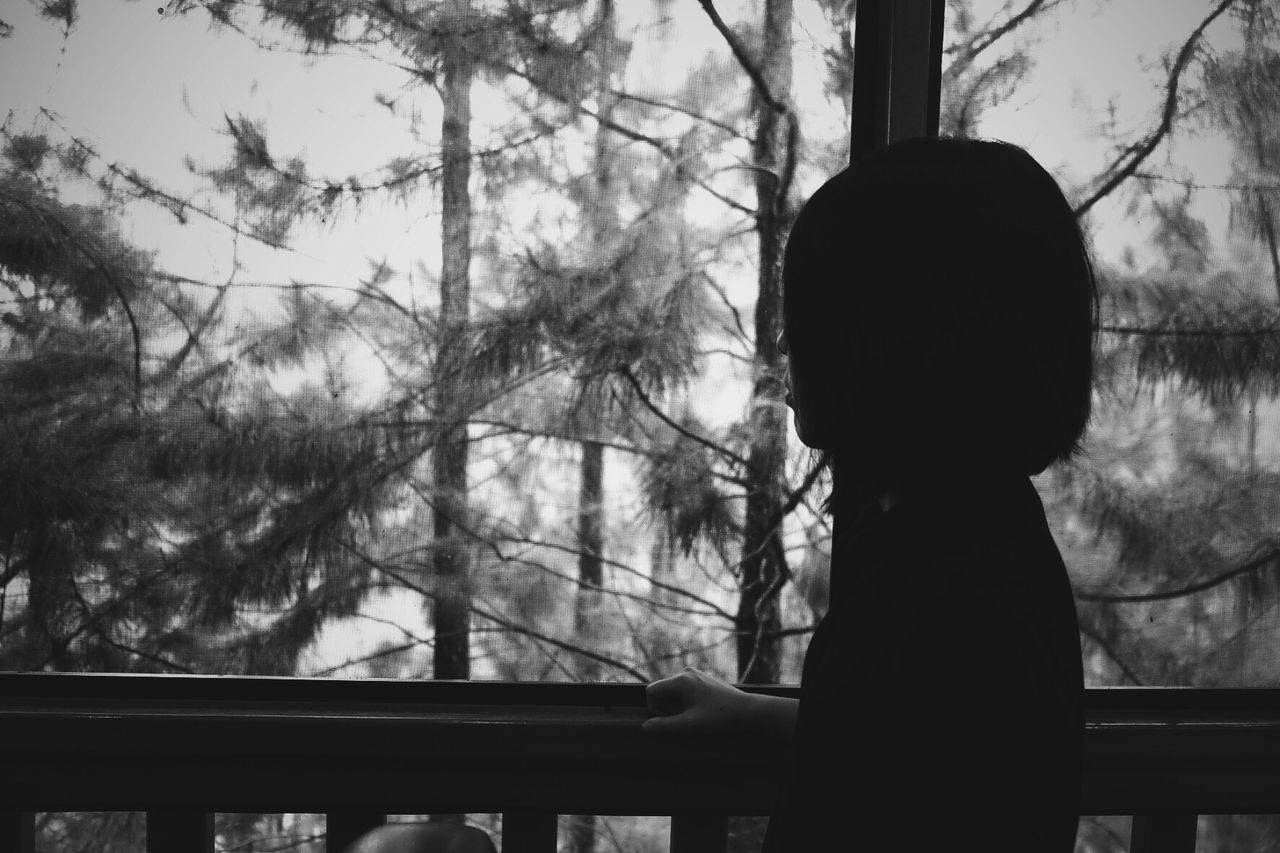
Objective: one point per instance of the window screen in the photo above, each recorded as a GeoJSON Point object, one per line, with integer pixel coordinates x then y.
{"type": "Point", "coordinates": [1161, 120]}
{"type": "Point", "coordinates": [407, 339]}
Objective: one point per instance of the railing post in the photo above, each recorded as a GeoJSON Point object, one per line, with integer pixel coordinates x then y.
{"type": "Point", "coordinates": [529, 832]}
{"type": "Point", "coordinates": [699, 833]}
{"type": "Point", "coordinates": [342, 828]}
{"type": "Point", "coordinates": [179, 832]}
{"type": "Point", "coordinates": [1164, 832]}
{"type": "Point", "coordinates": [18, 831]}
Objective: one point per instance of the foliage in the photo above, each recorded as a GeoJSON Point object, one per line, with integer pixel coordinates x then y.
{"type": "Point", "coordinates": [144, 514]}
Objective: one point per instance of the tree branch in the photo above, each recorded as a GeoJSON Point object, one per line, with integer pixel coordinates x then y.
{"type": "Point", "coordinates": [789, 632]}
{"type": "Point", "coordinates": [990, 35]}
{"type": "Point", "coordinates": [1138, 152]}
{"type": "Point", "coordinates": [492, 545]}
{"type": "Point", "coordinates": [740, 53]}
{"type": "Point", "coordinates": [146, 191]}
{"type": "Point", "coordinates": [1253, 565]}
{"type": "Point", "coordinates": [1189, 184]}
{"type": "Point", "coordinates": [662, 416]}
{"type": "Point", "coordinates": [666, 105]}
{"type": "Point", "coordinates": [102, 266]}
{"type": "Point", "coordinates": [1111, 653]}
{"type": "Point", "coordinates": [634, 135]}
{"type": "Point", "coordinates": [795, 498]}
{"type": "Point", "coordinates": [92, 620]}
{"type": "Point", "coordinates": [1159, 331]}
{"type": "Point", "coordinates": [351, 185]}
{"type": "Point", "coordinates": [380, 653]}
{"type": "Point", "coordinates": [713, 609]}
{"type": "Point", "coordinates": [505, 623]}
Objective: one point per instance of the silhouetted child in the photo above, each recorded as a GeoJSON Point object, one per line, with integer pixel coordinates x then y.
{"type": "Point", "coordinates": [939, 308]}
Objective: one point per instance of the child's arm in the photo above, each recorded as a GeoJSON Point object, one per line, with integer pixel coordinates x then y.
{"type": "Point", "coordinates": [693, 702]}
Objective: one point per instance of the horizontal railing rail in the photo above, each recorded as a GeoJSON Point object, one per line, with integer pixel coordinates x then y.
{"type": "Point", "coordinates": [184, 747]}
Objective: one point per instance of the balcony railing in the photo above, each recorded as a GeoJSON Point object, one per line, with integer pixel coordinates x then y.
{"type": "Point", "coordinates": [181, 748]}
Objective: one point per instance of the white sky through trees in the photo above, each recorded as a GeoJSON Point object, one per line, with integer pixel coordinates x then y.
{"type": "Point", "coordinates": [127, 71]}
{"type": "Point", "coordinates": [148, 89]}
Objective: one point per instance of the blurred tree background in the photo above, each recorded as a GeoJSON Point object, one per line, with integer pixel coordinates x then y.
{"type": "Point", "coordinates": [552, 445]}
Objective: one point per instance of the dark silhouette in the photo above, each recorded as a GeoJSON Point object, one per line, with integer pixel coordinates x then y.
{"type": "Point", "coordinates": [939, 314]}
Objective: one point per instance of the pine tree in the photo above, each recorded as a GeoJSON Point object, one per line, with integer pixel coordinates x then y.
{"type": "Point", "coordinates": [145, 517]}
{"type": "Point", "coordinates": [452, 617]}
{"type": "Point", "coordinates": [446, 44]}
{"type": "Point", "coordinates": [774, 153]}
{"type": "Point", "coordinates": [1192, 343]}
{"type": "Point", "coordinates": [73, 395]}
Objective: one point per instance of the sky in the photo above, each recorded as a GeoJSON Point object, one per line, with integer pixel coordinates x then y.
{"type": "Point", "coordinates": [148, 89]}
{"type": "Point", "coordinates": [1101, 51]}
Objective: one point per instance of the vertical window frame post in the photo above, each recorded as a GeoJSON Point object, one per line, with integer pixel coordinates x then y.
{"type": "Point", "coordinates": [897, 72]}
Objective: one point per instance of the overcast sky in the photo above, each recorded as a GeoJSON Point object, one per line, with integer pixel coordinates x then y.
{"type": "Point", "coordinates": [148, 89]}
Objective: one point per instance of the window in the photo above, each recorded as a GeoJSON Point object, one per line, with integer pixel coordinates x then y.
{"type": "Point", "coordinates": [405, 343]}
{"type": "Point", "coordinates": [419, 342]}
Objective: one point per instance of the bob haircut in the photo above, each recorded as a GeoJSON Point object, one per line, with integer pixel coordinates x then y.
{"type": "Point", "coordinates": [940, 294]}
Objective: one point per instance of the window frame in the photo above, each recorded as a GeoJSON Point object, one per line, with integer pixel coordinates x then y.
{"type": "Point", "coordinates": [897, 72]}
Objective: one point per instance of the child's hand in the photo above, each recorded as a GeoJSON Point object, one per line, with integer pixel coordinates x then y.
{"type": "Point", "coordinates": [693, 702]}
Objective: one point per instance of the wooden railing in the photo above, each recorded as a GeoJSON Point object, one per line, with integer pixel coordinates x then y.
{"type": "Point", "coordinates": [183, 747]}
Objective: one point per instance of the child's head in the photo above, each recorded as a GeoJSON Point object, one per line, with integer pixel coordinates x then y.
{"type": "Point", "coordinates": [939, 309]}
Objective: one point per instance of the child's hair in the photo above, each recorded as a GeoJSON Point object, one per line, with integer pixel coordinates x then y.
{"type": "Point", "coordinates": [943, 293]}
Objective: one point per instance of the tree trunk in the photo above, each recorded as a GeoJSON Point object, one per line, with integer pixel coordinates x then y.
{"type": "Point", "coordinates": [452, 657]}
{"type": "Point", "coordinates": [599, 212]}
{"type": "Point", "coordinates": [662, 562]}
{"type": "Point", "coordinates": [452, 605]}
{"type": "Point", "coordinates": [762, 569]}
{"type": "Point", "coordinates": [582, 832]}
{"type": "Point", "coordinates": [590, 547]}
{"type": "Point", "coordinates": [1269, 231]}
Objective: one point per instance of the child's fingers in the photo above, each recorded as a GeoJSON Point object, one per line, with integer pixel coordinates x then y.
{"type": "Point", "coordinates": [660, 725]}
{"type": "Point", "coordinates": [667, 695]}
{"type": "Point", "coordinates": [656, 725]}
